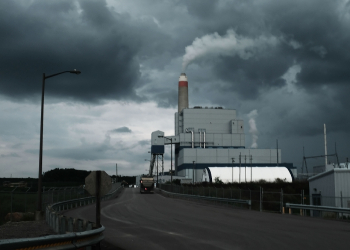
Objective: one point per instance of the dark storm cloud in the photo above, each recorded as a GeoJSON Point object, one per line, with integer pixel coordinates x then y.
{"type": "Point", "coordinates": [318, 27]}
{"type": "Point", "coordinates": [312, 34]}
{"type": "Point", "coordinates": [201, 8]}
{"type": "Point", "coordinates": [250, 77]}
{"type": "Point", "coordinates": [109, 47]}
{"type": "Point", "coordinates": [121, 130]}
{"type": "Point", "coordinates": [53, 36]}
{"type": "Point", "coordinates": [167, 99]}
{"type": "Point", "coordinates": [86, 151]}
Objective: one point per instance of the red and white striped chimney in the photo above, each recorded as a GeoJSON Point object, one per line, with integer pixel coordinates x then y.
{"type": "Point", "coordinates": [183, 93]}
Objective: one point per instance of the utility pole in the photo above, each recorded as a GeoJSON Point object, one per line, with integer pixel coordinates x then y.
{"type": "Point", "coordinates": [239, 179]}
{"type": "Point", "coordinates": [325, 144]}
{"type": "Point", "coordinates": [193, 172]}
{"type": "Point", "coordinates": [251, 168]}
{"type": "Point", "coordinates": [245, 168]}
{"type": "Point", "coordinates": [157, 171]}
{"type": "Point", "coordinates": [233, 160]}
{"type": "Point", "coordinates": [277, 151]}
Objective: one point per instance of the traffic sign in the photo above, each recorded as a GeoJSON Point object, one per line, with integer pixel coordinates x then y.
{"type": "Point", "coordinates": [90, 183]}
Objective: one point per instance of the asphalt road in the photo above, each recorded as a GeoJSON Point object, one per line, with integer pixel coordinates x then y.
{"type": "Point", "coordinates": [151, 221]}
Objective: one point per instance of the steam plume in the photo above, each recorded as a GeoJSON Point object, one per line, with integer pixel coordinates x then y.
{"type": "Point", "coordinates": [252, 127]}
{"type": "Point", "coordinates": [230, 44]}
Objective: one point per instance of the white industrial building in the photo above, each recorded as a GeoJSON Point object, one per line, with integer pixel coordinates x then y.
{"type": "Point", "coordinates": [331, 188]}
{"type": "Point", "coordinates": [211, 137]}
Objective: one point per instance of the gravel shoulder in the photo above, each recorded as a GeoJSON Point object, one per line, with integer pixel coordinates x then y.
{"type": "Point", "coordinates": [25, 229]}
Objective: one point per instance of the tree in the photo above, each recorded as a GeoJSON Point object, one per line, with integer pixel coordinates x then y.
{"type": "Point", "coordinates": [217, 180]}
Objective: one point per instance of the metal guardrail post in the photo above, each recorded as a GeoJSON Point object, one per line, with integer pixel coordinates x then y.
{"type": "Point", "coordinates": [54, 221]}
{"type": "Point", "coordinates": [281, 209]}
{"type": "Point", "coordinates": [250, 197]}
{"type": "Point", "coordinates": [70, 224]}
{"type": "Point", "coordinates": [79, 225]}
{"type": "Point", "coordinates": [62, 225]}
{"type": "Point", "coordinates": [260, 200]}
{"type": "Point", "coordinates": [57, 223]}
{"type": "Point", "coordinates": [51, 219]}
{"type": "Point", "coordinates": [25, 202]}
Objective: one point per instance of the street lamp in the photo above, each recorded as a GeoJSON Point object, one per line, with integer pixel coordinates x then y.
{"type": "Point", "coordinates": [77, 72]}
{"type": "Point", "coordinates": [171, 157]}
{"type": "Point", "coordinates": [239, 180]}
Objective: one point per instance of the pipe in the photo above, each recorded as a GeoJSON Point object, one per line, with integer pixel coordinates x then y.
{"type": "Point", "coordinates": [192, 139]}
{"type": "Point", "coordinates": [204, 138]}
{"type": "Point", "coordinates": [200, 138]}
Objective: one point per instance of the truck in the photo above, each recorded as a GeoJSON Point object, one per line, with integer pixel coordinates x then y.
{"type": "Point", "coordinates": [146, 184]}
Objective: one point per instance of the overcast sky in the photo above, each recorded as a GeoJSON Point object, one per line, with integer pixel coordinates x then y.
{"type": "Point", "coordinates": [287, 60]}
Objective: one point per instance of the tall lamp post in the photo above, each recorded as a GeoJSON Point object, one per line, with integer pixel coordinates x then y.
{"type": "Point", "coordinates": [171, 157]}
{"type": "Point", "coordinates": [39, 202]}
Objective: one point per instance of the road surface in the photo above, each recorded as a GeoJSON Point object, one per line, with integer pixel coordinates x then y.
{"type": "Point", "coordinates": [151, 221]}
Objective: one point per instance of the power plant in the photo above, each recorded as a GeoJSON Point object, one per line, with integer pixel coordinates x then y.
{"type": "Point", "coordinates": [207, 138]}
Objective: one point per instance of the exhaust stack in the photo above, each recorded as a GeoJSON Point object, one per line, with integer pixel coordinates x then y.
{"type": "Point", "coordinates": [183, 93]}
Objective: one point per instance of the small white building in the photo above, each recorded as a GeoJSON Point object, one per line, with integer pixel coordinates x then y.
{"type": "Point", "coordinates": [330, 188]}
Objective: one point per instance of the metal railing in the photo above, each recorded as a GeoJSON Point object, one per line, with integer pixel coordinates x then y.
{"type": "Point", "coordinates": [261, 200]}
{"type": "Point", "coordinates": [337, 210]}
{"type": "Point", "coordinates": [208, 198]}
{"type": "Point", "coordinates": [86, 234]}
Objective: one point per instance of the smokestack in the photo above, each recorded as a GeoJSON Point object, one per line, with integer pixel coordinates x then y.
{"type": "Point", "coordinates": [183, 93]}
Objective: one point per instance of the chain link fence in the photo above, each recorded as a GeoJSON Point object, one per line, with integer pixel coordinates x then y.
{"type": "Point", "coordinates": [26, 201]}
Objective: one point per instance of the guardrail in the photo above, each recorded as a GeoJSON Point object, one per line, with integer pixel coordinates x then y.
{"type": "Point", "coordinates": [247, 202]}
{"type": "Point", "coordinates": [55, 242]}
{"type": "Point", "coordinates": [318, 208]}
{"type": "Point", "coordinates": [86, 234]}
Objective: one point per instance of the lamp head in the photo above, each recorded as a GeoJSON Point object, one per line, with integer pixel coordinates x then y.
{"type": "Point", "coordinates": [75, 72]}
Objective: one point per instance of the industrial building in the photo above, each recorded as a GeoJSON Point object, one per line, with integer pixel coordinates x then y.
{"type": "Point", "coordinates": [211, 137]}
{"type": "Point", "coordinates": [330, 188]}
